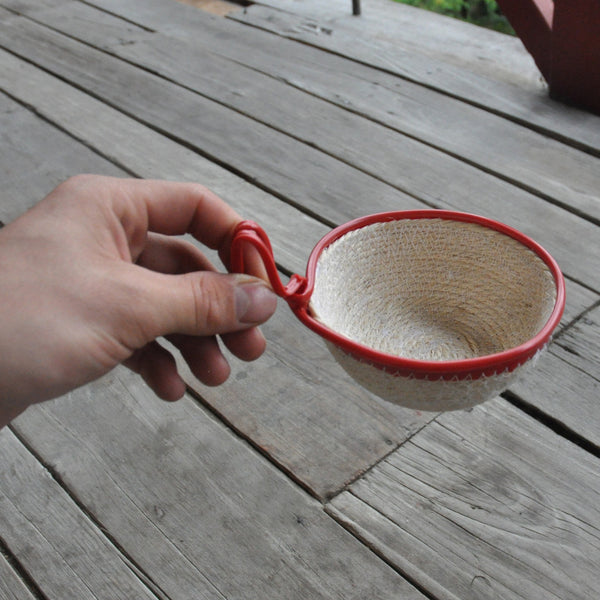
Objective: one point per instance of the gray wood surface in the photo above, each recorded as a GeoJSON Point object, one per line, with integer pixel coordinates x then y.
{"type": "Point", "coordinates": [321, 450]}
{"type": "Point", "coordinates": [290, 481]}
{"type": "Point", "coordinates": [553, 170]}
{"type": "Point", "coordinates": [37, 157]}
{"type": "Point", "coordinates": [376, 43]}
{"type": "Point", "coordinates": [208, 127]}
{"type": "Point", "coordinates": [336, 191]}
{"type": "Point", "coordinates": [197, 511]}
{"type": "Point", "coordinates": [434, 118]}
{"type": "Point", "coordinates": [431, 34]}
{"type": "Point", "coordinates": [486, 504]}
{"type": "Point", "coordinates": [45, 530]}
{"type": "Point", "coordinates": [566, 382]}
{"type": "Point", "coordinates": [582, 343]}
{"type": "Point", "coordinates": [12, 586]}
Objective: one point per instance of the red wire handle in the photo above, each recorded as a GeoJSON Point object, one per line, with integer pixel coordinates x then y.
{"type": "Point", "coordinates": [296, 293]}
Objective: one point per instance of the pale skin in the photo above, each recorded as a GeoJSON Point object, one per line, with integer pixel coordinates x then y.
{"type": "Point", "coordinates": [94, 274]}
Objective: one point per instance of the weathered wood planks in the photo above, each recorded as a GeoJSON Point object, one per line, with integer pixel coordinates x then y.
{"type": "Point", "coordinates": [336, 454]}
{"type": "Point", "coordinates": [566, 382]}
{"type": "Point", "coordinates": [313, 22]}
{"type": "Point", "coordinates": [480, 504]}
{"type": "Point", "coordinates": [12, 586]}
{"type": "Point", "coordinates": [336, 191]}
{"type": "Point", "coordinates": [582, 343]}
{"type": "Point", "coordinates": [56, 543]}
{"type": "Point", "coordinates": [192, 505]}
{"type": "Point", "coordinates": [526, 159]}
{"type": "Point", "coordinates": [37, 157]}
{"type": "Point", "coordinates": [486, 504]}
{"type": "Point", "coordinates": [562, 174]}
{"type": "Point", "coordinates": [499, 56]}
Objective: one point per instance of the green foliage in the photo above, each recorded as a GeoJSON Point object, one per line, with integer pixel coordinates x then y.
{"type": "Point", "coordinates": [481, 12]}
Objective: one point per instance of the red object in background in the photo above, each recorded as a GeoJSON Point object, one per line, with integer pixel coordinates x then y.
{"type": "Point", "coordinates": [563, 36]}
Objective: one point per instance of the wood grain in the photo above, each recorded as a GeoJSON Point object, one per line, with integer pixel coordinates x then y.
{"type": "Point", "coordinates": [210, 128]}
{"type": "Point", "coordinates": [486, 504]}
{"type": "Point", "coordinates": [193, 505]}
{"type": "Point", "coordinates": [108, 492]}
{"type": "Point", "coordinates": [336, 192]}
{"type": "Point", "coordinates": [37, 157]}
{"type": "Point", "coordinates": [12, 586]}
{"type": "Point", "coordinates": [518, 155]}
{"type": "Point", "coordinates": [526, 159]}
{"type": "Point", "coordinates": [313, 23]}
{"type": "Point", "coordinates": [61, 549]}
{"type": "Point", "coordinates": [499, 56]}
{"type": "Point", "coordinates": [566, 382]}
{"type": "Point", "coordinates": [581, 344]}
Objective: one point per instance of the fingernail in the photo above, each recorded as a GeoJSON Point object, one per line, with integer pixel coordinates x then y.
{"type": "Point", "coordinates": [254, 302]}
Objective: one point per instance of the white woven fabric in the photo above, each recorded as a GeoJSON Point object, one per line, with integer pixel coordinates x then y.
{"type": "Point", "coordinates": [435, 290]}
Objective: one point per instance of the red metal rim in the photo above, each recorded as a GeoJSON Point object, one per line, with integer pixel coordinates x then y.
{"type": "Point", "coordinates": [473, 368]}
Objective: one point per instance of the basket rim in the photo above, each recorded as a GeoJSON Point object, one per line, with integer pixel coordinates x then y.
{"type": "Point", "coordinates": [474, 368]}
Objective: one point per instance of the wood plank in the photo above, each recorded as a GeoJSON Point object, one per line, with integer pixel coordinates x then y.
{"type": "Point", "coordinates": [60, 548]}
{"type": "Point", "coordinates": [37, 157]}
{"type": "Point", "coordinates": [579, 300]}
{"type": "Point", "coordinates": [582, 343]}
{"type": "Point", "coordinates": [113, 134]}
{"type": "Point", "coordinates": [25, 7]}
{"type": "Point", "coordinates": [571, 125]}
{"type": "Point", "coordinates": [464, 45]}
{"type": "Point", "coordinates": [208, 127]}
{"type": "Point", "coordinates": [12, 586]}
{"type": "Point", "coordinates": [298, 405]}
{"type": "Point", "coordinates": [323, 450]}
{"type": "Point", "coordinates": [195, 506]}
{"type": "Point", "coordinates": [337, 192]}
{"type": "Point", "coordinates": [119, 138]}
{"type": "Point", "coordinates": [527, 159]}
{"type": "Point", "coordinates": [216, 7]}
{"type": "Point", "coordinates": [340, 35]}
{"type": "Point", "coordinates": [518, 155]}
{"type": "Point", "coordinates": [566, 382]}
{"type": "Point", "coordinates": [485, 504]}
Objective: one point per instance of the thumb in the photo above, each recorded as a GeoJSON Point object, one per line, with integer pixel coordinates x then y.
{"type": "Point", "coordinates": [204, 303]}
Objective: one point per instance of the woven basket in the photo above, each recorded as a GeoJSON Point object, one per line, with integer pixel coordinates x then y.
{"type": "Point", "coordinates": [433, 310]}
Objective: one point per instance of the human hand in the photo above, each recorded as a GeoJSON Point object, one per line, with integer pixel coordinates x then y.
{"type": "Point", "coordinates": [92, 275]}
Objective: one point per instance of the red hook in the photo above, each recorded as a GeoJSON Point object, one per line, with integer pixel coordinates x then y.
{"type": "Point", "coordinates": [296, 293]}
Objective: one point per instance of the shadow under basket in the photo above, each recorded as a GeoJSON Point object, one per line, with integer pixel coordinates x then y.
{"type": "Point", "coordinates": [432, 310]}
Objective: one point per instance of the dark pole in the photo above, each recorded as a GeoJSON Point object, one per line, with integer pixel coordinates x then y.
{"type": "Point", "coordinates": [356, 7]}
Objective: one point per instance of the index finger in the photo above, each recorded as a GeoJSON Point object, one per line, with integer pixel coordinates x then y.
{"type": "Point", "coordinates": [175, 208]}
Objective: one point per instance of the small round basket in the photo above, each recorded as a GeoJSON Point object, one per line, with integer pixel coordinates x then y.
{"type": "Point", "coordinates": [432, 310]}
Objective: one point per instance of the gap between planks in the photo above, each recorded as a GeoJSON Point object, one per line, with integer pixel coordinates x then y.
{"type": "Point", "coordinates": [144, 578]}
{"type": "Point", "coordinates": [27, 582]}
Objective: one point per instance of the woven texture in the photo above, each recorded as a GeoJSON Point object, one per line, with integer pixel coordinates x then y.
{"type": "Point", "coordinates": [435, 290]}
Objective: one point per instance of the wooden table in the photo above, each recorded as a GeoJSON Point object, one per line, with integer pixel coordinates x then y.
{"type": "Point", "coordinates": [290, 481]}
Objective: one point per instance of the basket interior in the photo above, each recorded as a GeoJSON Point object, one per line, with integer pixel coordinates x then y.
{"type": "Point", "coordinates": [432, 289]}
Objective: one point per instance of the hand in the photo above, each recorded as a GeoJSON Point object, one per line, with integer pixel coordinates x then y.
{"type": "Point", "coordinates": [91, 276]}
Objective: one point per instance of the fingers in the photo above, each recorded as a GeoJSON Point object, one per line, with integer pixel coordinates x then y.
{"type": "Point", "coordinates": [204, 358]}
{"type": "Point", "coordinates": [247, 345]}
{"type": "Point", "coordinates": [201, 303]}
{"type": "Point", "coordinates": [142, 206]}
{"type": "Point", "coordinates": [165, 254]}
{"type": "Point", "coordinates": [174, 208]}
{"type": "Point", "coordinates": [157, 367]}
